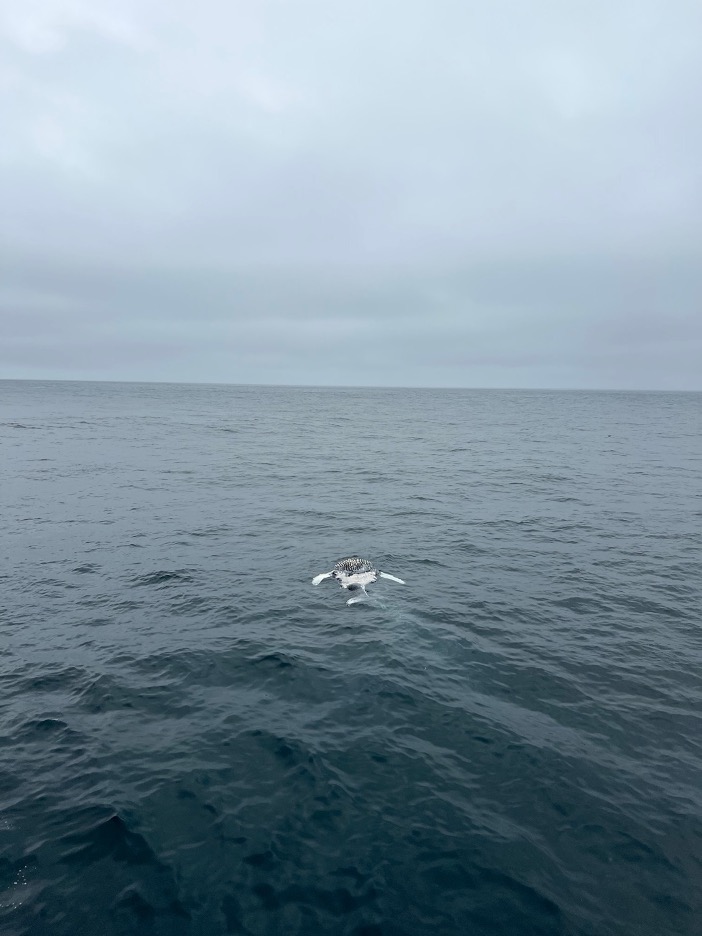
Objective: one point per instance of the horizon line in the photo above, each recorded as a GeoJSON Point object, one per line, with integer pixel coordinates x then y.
{"type": "Point", "coordinates": [305, 386]}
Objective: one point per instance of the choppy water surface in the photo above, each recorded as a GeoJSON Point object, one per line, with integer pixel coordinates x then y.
{"type": "Point", "coordinates": [194, 740]}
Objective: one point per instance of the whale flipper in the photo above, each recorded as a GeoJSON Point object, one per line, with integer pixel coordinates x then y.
{"type": "Point", "coordinates": [393, 578]}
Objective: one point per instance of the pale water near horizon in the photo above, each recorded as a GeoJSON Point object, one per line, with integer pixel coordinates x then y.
{"type": "Point", "coordinates": [195, 740]}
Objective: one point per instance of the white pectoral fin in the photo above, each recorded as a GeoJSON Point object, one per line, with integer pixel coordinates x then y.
{"type": "Point", "coordinates": [320, 578]}
{"type": "Point", "coordinates": [393, 578]}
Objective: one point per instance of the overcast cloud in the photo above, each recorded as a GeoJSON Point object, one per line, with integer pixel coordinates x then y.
{"type": "Point", "coordinates": [434, 193]}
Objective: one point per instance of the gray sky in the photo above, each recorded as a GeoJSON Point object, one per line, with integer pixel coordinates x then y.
{"type": "Point", "coordinates": [434, 193]}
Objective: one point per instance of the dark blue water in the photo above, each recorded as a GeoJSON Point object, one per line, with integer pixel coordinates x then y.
{"type": "Point", "coordinates": [194, 740]}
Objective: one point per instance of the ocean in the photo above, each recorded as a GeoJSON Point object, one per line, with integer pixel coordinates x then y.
{"type": "Point", "coordinates": [195, 740]}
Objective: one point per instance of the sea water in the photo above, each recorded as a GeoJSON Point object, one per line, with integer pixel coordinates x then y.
{"type": "Point", "coordinates": [195, 740]}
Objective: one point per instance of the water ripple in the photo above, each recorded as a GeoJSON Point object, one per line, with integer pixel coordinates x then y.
{"type": "Point", "coordinates": [195, 740]}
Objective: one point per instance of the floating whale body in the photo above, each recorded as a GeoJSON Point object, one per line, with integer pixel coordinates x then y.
{"type": "Point", "coordinates": [354, 574]}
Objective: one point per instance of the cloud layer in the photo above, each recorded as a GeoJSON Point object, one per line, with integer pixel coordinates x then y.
{"type": "Point", "coordinates": [361, 193]}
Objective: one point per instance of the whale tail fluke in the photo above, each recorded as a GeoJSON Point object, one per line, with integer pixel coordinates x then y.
{"type": "Point", "coordinates": [362, 597]}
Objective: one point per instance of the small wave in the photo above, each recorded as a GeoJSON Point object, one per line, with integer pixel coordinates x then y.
{"type": "Point", "coordinates": [163, 577]}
